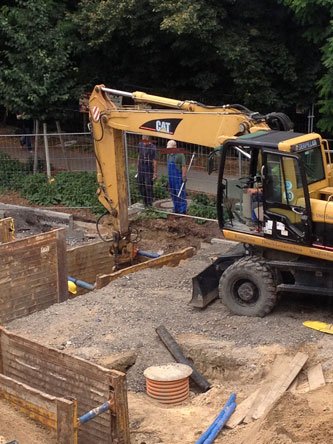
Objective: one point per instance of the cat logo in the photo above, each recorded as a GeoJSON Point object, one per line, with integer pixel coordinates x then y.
{"type": "Point", "coordinates": [167, 126]}
{"type": "Point", "coordinates": [162, 127]}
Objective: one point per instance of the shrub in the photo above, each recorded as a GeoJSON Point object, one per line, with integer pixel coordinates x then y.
{"type": "Point", "coordinates": [203, 206]}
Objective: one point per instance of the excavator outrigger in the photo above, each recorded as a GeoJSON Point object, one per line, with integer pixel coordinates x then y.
{"type": "Point", "coordinates": [280, 210]}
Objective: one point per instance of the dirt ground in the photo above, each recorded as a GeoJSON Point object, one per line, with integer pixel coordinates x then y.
{"type": "Point", "coordinates": [234, 353]}
{"type": "Point", "coordinates": [15, 425]}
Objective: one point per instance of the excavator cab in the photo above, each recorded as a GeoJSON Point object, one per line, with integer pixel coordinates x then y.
{"type": "Point", "coordinates": [277, 203]}
{"type": "Point", "coordinates": [270, 195]}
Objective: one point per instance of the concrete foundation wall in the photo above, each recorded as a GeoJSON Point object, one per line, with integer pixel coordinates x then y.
{"type": "Point", "coordinates": [33, 274]}
{"type": "Point", "coordinates": [61, 375]}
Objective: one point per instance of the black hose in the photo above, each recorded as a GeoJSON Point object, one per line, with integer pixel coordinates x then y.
{"type": "Point", "coordinates": [97, 228]}
{"type": "Point", "coordinates": [177, 353]}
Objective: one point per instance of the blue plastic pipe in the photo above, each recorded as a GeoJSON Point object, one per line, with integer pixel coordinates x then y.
{"type": "Point", "coordinates": [81, 283]}
{"type": "Point", "coordinates": [210, 429]}
{"type": "Point", "coordinates": [148, 254]}
{"type": "Point", "coordinates": [94, 412]}
{"type": "Point", "coordinates": [219, 424]}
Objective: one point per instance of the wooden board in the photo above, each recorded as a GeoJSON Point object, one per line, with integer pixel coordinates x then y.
{"type": "Point", "coordinates": [293, 386]}
{"type": "Point", "coordinates": [316, 377]}
{"type": "Point", "coordinates": [62, 375]}
{"type": "Point", "coordinates": [279, 364]}
{"type": "Point", "coordinates": [33, 274]}
{"type": "Point", "coordinates": [168, 260]}
{"type": "Point", "coordinates": [241, 411]}
{"type": "Point", "coordinates": [87, 261]}
{"type": "Point", "coordinates": [280, 385]}
{"type": "Point", "coordinates": [7, 230]}
{"type": "Point", "coordinates": [52, 412]}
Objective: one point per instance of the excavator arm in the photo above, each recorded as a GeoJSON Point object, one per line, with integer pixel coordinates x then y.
{"type": "Point", "coordinates": [185, 121]}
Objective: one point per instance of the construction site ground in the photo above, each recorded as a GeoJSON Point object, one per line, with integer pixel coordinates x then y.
{"type": "Point", "coordinates": [115, 326]}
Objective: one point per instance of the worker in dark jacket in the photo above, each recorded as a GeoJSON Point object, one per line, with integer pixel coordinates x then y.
{"type": "Point", "coordinates": [147, 170]}
{"type": "Point", "coordinates": [177, 178]}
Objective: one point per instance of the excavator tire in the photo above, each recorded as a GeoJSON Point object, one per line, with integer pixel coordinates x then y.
{"type": "Point", "coordinates": [247, 287]}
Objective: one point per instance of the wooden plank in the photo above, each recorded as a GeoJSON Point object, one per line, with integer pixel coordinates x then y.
{"type": "Point", "coordinates": [57, 357]}
{"type": "Point", "coordinates": [316, 377]}
{"type": "Point", "coordinates": [1, 352]}
{"type": "Point", "coordinates": [33, 403]}
{"type": "Point", "coordinates": [280, 363]}
{"type": "Point", "coordinates": [40, 276]}
{"type": "Point", "coordinates": [241, 411]}
{"type": "Point", "coordinates": [62, 270]}
{"type": "Point", "coordinates": [7, 230]}
{"type": "Point", "coordinates": [293, 386]}
{"type": "Point", "coordinates": [66, 421]}
{"type": "Point", "coordinates": [168, 260]}
{"type": "Point", "coordinates": [119, 411]}
{"type": "Point", "coordinates": [281, 384]}
{"type": "Point", "coordinates": [64, 375]}
{"type": "Point", "coordinates": [38, 414]}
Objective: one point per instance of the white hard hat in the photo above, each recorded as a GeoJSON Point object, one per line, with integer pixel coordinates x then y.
{"type": "Point", "coordinates": [171, 144]}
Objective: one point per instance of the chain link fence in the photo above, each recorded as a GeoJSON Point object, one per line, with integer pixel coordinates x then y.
{"type": "Point", "coordinates": [63, 155]}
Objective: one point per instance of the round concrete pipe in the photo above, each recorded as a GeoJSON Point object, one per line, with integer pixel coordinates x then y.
{"type": "Point", "coordinates": [168, 384]}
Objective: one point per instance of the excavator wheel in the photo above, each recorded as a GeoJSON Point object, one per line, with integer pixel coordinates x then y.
{"type": "Point", "coordinates": [247, 287]}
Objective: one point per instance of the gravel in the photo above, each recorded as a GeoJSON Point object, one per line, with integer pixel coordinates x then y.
{"type": "Point", "coordinates": [124, 315]}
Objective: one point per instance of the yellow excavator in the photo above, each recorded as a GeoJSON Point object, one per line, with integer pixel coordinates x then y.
{"type": "Point", "coordinates": [279, 210]}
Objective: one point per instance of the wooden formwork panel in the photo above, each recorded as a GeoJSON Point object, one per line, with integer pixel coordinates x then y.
{"type": "Point", "coordinates": [62, 375]}
{"type": "Point", "coordinates": [7, 231]}
{"type": "Point", "coordinates": [87, 261]}
{"type": "Point", "coordinates": [54, 413]}
{"type": "Point", "coordinates": [33, 274]}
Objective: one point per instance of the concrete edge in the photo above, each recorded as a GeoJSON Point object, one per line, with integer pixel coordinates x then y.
{"type": "Point", "coordinates": [53, 217]}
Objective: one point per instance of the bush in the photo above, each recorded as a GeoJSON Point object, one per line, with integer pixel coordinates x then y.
{"type": "Point", "coordinates": [203, 206]}
{"type": "Point", "coordinates": [161, 187]}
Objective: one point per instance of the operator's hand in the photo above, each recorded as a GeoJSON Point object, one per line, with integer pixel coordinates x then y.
{"type": "Point", "coordinates": [184, 179]}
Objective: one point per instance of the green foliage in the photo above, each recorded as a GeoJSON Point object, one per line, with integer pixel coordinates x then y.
{"type": "Point", "coordinates": [161, 187]}
{"type": "Point", "coordinates": [316, 16]}
{"type": "Point", "coordinates": [134, 187]}
{"type": "Point", "coordinates": [38, 190]}
{"type": "Point", "coordinates": [69, 189]}
{"type": "Point", "coordinates": [202, 206]}
{"type": "Point", "coordinates": [12, 172]}
{"type": "Point", "coordinates": [150, 213]}
{"type": "Point", "coordinates": [37, 76]}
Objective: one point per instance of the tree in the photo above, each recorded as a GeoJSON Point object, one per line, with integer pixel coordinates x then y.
{"type": "Point", "coordinates": [36, 73]}
{"type": "Point", "coordinates": [215, 51]}
{"type": "Point", "coordinates": [255, 47]}
{"type": "Point", "coordinates": [316, 17]}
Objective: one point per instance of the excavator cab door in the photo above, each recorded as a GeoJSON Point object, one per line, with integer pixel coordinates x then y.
{"type": "Point", "coordinates": [286, 203]}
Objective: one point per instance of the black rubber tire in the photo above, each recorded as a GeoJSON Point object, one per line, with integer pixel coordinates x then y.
{"type": "Point", "coordinates": [249, 272]}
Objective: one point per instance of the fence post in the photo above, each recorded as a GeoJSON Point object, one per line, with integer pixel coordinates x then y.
{"type": "Point", "coordinates": [239, 164]}
{"type": "Point", "coordinates": [127, 168]}
{"type": "Point", "coordinates": [63, 146]}
{"type": "Point", "coordinates": [310, 118]}
{"type": "Point", "coordinates": [47, 154]}
{"type": "Point", "coordinates": [36, 146]}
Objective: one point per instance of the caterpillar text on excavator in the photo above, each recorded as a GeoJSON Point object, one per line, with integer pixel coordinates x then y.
{"type": "Point", "coordinates": [279, 211]}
